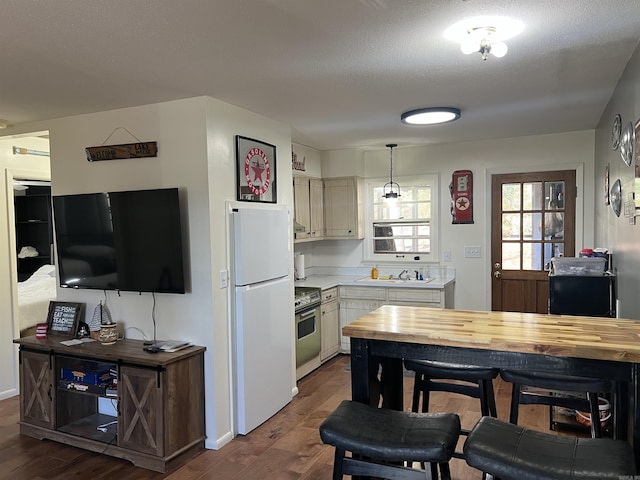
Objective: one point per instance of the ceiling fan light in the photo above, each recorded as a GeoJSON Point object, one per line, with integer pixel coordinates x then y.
{"type": "Point", "coordinates": [430, 116]}
{"type": "Point", "coordinates": [469, 46]}
{"type": "Point", "coordinates": [499, 49]}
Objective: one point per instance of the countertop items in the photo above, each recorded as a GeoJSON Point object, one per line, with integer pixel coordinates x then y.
{"type": "Point", "coordinates": [329, 281]}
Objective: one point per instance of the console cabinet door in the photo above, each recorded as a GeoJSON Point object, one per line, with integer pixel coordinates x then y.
{"type": "Point", "coordinates": [140, 423]}
{"type": "Point", "coordinates": [36, 389]}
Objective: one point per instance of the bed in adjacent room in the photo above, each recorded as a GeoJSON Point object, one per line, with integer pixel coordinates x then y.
{"type": "Point", "coordinates": [34, 295]}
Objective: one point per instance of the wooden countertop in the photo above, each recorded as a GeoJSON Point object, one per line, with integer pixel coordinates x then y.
{"type": "Point", "coordinates": [559, 335]}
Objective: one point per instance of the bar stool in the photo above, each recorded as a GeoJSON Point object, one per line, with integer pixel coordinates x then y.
{"type": "Point", "coordinates": [563, 383]}
{"type": "Point", "coordinates": [511, 452]}
{"type": "Point", "coordinates": [380, 440]}
{"type": "Point", "coordinates": [478, 383]}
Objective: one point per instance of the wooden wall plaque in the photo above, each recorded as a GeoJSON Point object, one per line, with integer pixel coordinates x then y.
{"type": "Point", "coordinates": [124, 151]}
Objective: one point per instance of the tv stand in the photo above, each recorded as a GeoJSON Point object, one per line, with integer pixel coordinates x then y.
{"type": "Point", "coordinates": [157, 419]}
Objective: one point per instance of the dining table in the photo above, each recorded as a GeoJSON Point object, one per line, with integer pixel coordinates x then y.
{"type": "Point", "coordinates": [607, 348]}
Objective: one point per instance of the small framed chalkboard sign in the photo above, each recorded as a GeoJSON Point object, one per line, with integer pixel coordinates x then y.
{"type": "Point", "coordinates": [63, 318]}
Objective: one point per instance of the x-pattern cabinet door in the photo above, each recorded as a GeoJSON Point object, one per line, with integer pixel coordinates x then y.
{"type": "Point", "coordinates": [36, 388]}
{"type": "Point", "coordinates": [141, 406]}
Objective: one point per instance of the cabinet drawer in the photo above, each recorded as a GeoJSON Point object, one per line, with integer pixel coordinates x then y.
{"type": "Point", "coordinates": [330, 295]}
{"type": "Point", "coordinates": [421, 295]}
{"type": "Point", "coordinates": [364, 293]}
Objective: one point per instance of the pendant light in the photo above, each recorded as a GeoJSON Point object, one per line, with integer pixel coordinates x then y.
{"type": "Point", "coordinates": [391, 193]}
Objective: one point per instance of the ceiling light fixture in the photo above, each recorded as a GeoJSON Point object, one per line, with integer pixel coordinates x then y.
{"type": "Point", "coordinates": [3, 124]}
{"type": "Point", "coordinates": [484, 35]}
{"type": "Point", "coordinates": [391, 194]}
{"type": "Point", "coordinates": [430, 116]}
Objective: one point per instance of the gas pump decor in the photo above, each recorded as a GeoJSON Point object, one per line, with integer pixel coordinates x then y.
{"type": "Point", "coordinates": [461, 189]}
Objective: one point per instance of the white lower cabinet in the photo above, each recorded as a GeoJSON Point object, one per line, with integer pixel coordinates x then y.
{"type": "Point", "coordinates": [356, 302]}
{"type": "Point", "coordinates": [329, 324]}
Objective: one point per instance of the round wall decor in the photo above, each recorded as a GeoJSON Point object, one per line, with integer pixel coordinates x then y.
{"type": "Point", "coordinates": [616, 129]}
{"type": "Point", "coordinates": [616, 197]}
{"type": "Point", "coordinates": [627, 143]}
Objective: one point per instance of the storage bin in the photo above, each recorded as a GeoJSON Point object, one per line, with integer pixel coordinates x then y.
{"type": "Point", "coordinates": [589, 266]}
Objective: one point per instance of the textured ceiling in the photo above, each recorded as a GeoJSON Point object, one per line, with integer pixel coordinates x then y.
{"type": "Point", "coordinates": [340, 72]}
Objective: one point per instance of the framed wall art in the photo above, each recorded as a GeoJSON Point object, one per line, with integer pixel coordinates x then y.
{"type": "Point", "coordinates": [255, 170]}
{"type": "Point", "coordinates": [63, 318]}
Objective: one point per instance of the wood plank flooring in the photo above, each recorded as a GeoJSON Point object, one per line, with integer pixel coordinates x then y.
{"type": "Point", "coordinates": [287, 447]}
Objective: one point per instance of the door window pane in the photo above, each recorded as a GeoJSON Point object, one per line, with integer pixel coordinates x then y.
{"type": "Point", "coordinates": [532, 196]}
{"type": "Point", "coordinates": [511, 256]}
{"type": "Point", "coordinates": [532, 256]}
{"type": "Point", "coordinates": [554, 225]}
{"type": "Point", "coordinates": [511, 226]}
{"type": "Point", "coordinates": [555, 195]}
{"type": "Point", "coordinates": [531, 226]}
{"type": "Point", "coordinates": [511, 196]}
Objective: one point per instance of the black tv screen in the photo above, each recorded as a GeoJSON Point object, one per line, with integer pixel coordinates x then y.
{"type": "Point", "coordinates": [128, 241]}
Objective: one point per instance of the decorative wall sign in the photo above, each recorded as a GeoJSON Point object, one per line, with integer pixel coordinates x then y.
{"type": "Point", "coordinates": [461, 189]}
{"type": "Point", "coordinates": [63, 318]}
{"type": "Point", "coordinates": [119, 152]}
{"type": "Point", "coordinates": [616, 197]}
{"type": "Point", "coordinates": [636, 167]}
{"type": "Point", "coordinates": [616, 129]}
{"type": "Point", "coordinates": [627, 143]}
{"type": "Point", "coordinates": [255, 170]}
{"type": "Point", "coordinates": [297, 164]}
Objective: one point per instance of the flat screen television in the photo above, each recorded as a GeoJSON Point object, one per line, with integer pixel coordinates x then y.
{"type": "Point", "coordinates": [127, 241]}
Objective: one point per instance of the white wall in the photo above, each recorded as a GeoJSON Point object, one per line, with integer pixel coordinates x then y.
{"type": "Point", "coordinates": [196, 153]}
{"type": "Point", "coordinates": [573, 150]}
{"type": "Point", "coordinates": [13, 166]}
{"type": "Point", "coordinates": [622, 237]}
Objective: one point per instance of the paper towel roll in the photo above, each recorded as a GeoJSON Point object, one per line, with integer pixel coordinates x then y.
{"type": "Point", "coordinates": [298, 267]}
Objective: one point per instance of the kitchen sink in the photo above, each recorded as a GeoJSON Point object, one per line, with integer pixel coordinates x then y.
{"type": "Point", "coordinates": [409, 281]}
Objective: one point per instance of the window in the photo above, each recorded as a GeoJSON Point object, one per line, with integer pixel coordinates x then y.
{"type": "Point", "coordinates": [404, 228]}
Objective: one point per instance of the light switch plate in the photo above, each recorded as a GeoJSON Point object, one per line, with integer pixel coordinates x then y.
{"type": "Point", "coordinates": [472, 252]}
{"type": "Point", "coordinates": [224, 278]}
{"type": "Point", "coordinates": [446, 256]}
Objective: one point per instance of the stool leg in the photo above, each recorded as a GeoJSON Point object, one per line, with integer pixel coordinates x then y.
{"type": "Point", "coordinates": [426, 390]}
{"type": "Point", "coordinates": [515, 403]}
{"type": "Point", "coordinates": [416, 392]}
{"type": "Point", "coordinates": [596, 428]}
{"type": "Point", "coordinates": [444, 471]}
{"type": "Point", "coordinates": [491, 398]}
{"type": "Point", "coordinates": [434, 471]}
{"type": "Point", "coordinates": [337, 464]}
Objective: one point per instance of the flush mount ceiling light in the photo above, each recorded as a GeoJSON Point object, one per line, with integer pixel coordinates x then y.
{"type": "Point", "coordinates": [391, 193]}
{"type": "Point", "coordinates": [3, 124]}
{"type": "Point", "coordinates": [430, 116]}
{"type": "Point", "coordinates": [484, 35]}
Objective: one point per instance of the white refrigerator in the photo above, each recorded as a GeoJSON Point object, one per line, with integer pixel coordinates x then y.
{"type": "Point", "coordinates": [262, 321]}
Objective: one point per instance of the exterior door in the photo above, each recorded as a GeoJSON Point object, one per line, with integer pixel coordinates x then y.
{"type": "Point", "coordinates": [532, 220]}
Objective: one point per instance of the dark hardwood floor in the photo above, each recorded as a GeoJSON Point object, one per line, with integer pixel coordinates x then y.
{"type": "Point", "coordinates": [286, 447]}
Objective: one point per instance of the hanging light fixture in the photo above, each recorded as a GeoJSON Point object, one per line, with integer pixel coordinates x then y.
{"type": "Point", "coordinates": [391, 193]}
{"type": "Point", "coordinates": [484, 35]}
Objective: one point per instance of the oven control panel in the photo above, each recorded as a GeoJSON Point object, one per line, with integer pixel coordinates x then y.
{"type": "Point", "coordinates": [306, 297]}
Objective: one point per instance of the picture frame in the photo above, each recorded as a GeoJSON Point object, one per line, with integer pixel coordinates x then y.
{"type": "Point", "coordinates": [63, 318]}
{"type": "Point", "coordinates": [255, 170]}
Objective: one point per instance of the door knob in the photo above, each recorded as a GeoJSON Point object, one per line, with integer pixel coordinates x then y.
{"type": "Point", "coordinates": [497, 266]}
{"type": "Point", "coordinates": [497, 273]}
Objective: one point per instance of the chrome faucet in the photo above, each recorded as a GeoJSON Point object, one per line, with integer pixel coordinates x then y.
{"type": "Point", "coordinates": [402, 273]}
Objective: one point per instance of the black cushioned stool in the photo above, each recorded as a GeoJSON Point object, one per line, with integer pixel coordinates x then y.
{"type": "Point", "coordinates": [377, 438]}
{"type": "Point", "coordinates": [589, 386]}
{"type": "Point", "coordinates": [511, 452]}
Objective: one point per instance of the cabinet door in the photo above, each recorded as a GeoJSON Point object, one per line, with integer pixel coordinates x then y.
{"type": "Point", "coordinates": [301, 211]}
{"type": "Point", "coordinates": [330, 325]}
{"type": "Point", "coordinates": [342, 215]}
{"type": "Point", "coordinates": [36, 389]}
{"type": "Point", "coordinates": [140, 423]}
{"type": "Point", "coordinates": [350, 311]}
{"type": "Point", "coordinates": [316, 207]}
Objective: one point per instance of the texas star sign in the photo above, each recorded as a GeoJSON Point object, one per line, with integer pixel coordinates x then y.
{"type": "Point", "coordinates": [257, 171]}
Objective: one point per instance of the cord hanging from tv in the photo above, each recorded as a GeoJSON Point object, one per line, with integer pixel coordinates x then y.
{"type": "Point", "coordinates": [124, 241]}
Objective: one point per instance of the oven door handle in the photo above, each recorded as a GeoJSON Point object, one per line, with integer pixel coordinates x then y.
{"type": "Point", "coordinates": [307, 313]}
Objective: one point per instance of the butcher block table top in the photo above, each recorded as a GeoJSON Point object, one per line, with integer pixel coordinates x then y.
{"type": "Point", "coordinates": [558, 335]}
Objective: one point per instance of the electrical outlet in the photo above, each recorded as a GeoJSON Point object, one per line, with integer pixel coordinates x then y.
{"type": "Point", "coordinates": [446, 256]}
{"type": "Point", "coordinates": [472, 252]}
